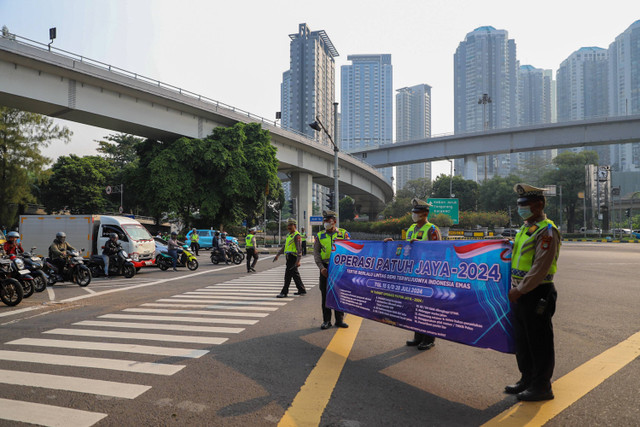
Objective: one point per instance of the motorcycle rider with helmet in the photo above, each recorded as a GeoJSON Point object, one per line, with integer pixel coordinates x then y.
{"type": "Point", "coordinates": [11, 246]}
{"type": "Point", "coordinates": [172, 248]}
{"type": "Point", "coordinates": [58, 251]}
{"type": "Point", "coordinates": [111, 247]}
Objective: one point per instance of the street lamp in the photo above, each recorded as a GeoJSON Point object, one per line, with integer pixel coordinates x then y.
{"type": "Point", "coordinates": [484, 100]}
{"type": "Point", "coordinates": [318, 126]}
{"type": "Point", "coordinates": [451, 195]}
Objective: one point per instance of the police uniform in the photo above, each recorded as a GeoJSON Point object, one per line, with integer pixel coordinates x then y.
{"type": "Point", "coordinates": [293, 251]}
{"type": "Point", "coordinates": [303, 237]}
{"type": "Point", "coordinates": [250, 246]}
{"type": "Point", "coordinates": [533, 265]}
{"type": "Point", "coordinates": [428, 231]}
{"type": "Point", "coordinates": [321, 254]}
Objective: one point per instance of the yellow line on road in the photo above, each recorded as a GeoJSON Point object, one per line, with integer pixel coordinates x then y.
{"type": "Point", "coordinates": [571, 387]}
{"type": "Point", "coordinates": [308, 406]}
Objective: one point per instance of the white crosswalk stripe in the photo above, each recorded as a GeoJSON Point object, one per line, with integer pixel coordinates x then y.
{"type": "Point", "coordinates": [191, 317]}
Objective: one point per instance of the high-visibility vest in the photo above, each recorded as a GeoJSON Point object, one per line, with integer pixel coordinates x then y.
{"type": "Point", "coordinates": [524, 250]}
{"type": "Point", "coordinates": [195, 237]}
{"type": "Point", "coordinates": [326, 241]}
{"type": "Point", "coordinates": [303, 236]}
{"type": "Point", "coordinates": [290, 243]}
{"type": "Point", "coordinates": [249, 241]}
{"type": "Point", "coordinates": [422, 233]}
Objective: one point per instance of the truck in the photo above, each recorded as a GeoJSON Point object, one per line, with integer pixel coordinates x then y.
{"type": "Point", "coordinates": [89, 233]}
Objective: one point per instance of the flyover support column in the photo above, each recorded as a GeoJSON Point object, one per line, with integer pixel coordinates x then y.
{"type": "Point", "coordinates": [302, 190]}
{"type": "Point", "coordinates": [471, 167]}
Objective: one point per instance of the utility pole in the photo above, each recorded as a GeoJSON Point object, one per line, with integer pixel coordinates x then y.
{"type": "Point", "coordinates": [484, 100]}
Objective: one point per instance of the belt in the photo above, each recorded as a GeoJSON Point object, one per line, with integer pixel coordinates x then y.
{"type": "Point", "coordinates": [519, 274]}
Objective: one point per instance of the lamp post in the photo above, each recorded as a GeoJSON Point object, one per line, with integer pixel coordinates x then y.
{"type": "Point", "coordinates": [318, 126]}
{"type": "Point", "coordinates": [451, 195]}
{"type": "Point", "coordinates": [484, 100]}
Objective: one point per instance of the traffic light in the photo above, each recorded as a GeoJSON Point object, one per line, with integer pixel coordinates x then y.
{"type": "Point", "coordinates": [628, 213]}
{"type": "Point", "coordinates": [292, 202]}
{"type": "Point", "coordinates": [330, 200]}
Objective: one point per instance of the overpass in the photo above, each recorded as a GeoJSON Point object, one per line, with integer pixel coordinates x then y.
{"type": "Point", "coordinates": [467, 146]}
{"type": "Point", "coordinates": [63, 85]}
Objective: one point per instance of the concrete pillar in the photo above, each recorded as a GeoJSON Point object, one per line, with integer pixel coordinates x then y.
{"type": "Point", "coordinates": [471, 167]}
{"type": "Point", "coordinates": [302, 190]}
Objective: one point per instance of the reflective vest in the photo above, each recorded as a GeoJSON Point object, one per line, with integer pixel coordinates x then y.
{"type": "Point", "coordinates": [249, 241]}
{"type": "Point", "coordinates": [421, 234]}
{"type": "Point", "coordinates": [524, 250]}
{"type": "Point", "coordinates": [303, 236]}
{"type": "Point", "coordinates": [326, 241]}
{"type": "Point", "coordinates": [290, 243]}
{"type": "Point", "coordinates": [195, 237]}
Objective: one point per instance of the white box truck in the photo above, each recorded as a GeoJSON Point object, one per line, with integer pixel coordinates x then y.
{"type": "Point", "coordinates": [88, 232]}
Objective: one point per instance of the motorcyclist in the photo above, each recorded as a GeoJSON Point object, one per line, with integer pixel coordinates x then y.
{"type": "Point", "coordinates": [111, 247]}
{"type": "Point", "coordinates": [11, 246]}
{"type": "Point", "coordinates": [58, 251]}
{"type": "Point", "coordinates": [172, 248]}
{"type": "Point", "coordinates": [219, 245]}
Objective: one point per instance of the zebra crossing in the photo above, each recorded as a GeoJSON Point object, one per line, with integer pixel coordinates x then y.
{"type": "Point", "coordinates": [188, 323]}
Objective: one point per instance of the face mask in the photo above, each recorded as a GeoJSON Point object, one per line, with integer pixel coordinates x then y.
{"type": "Point", "coordinates": [328, 225]}
{"type": "Point", "coordinates": [415, 217]}
{"type": "Point", "coordinates": [524, 211]}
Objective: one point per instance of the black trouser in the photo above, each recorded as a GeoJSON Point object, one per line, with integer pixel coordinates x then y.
{"type": "Point", "coordinates": [427, 339]}
{"type": "Point", "coordinates": [304, 247]}
{"type": "Point", "coordinates": [292, 273]}
{"type": "Point", "coordinates": [251, 253]}
{"type": "Point", "coordinates": [326, 312]}
{"type": "Point", "coordinates": [194, 247]}
{"type": "Point", "coordinates": [534, 336]}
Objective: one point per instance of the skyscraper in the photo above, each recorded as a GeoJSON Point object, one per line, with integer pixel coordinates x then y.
{"type": "Point", "coordinates": [485, 63]}
{"type": "Point", "coordinates": [413, 121]}
{"type": "Point", "coordinates": [583, 90]}
{"type": "Point", "coordinates": [308, 87]}
{"type": "Point", "coordinates": [624, 92]}
{"type": "Point", "coordinates": [366, 96]}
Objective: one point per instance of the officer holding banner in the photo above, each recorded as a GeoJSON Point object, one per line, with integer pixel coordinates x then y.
{"type": "Point", "coordinates": [321, 254]}
{"type": "Point", "coordinates": [422, 229]}
{"type": "Point", "coordinates": [533, 295]}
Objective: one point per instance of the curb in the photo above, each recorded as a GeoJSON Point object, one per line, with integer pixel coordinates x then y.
{"type": "Point", "coordinates": [602, 240]}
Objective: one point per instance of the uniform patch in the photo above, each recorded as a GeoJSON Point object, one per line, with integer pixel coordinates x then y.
{"type": "Point", "coordinates": [532, 229]}
{"type": "Point", "coordinates": [546, 242]}
{"type": "Point", "coordinates": [420, 234]}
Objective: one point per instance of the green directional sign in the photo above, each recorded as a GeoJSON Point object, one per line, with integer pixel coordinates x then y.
{"type": "Point", "coordinates": [445, 206]}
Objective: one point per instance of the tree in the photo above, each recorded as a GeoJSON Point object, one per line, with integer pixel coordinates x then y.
{"type": "Point", "coordinates": [78, 184]}
{"type": "Point", "coordinates": [22, 135]}
{"type": "Point", "coordinates": [496, 194]}
{"type": "Point", "coordinates": [466, 191]}
{"type": "Point", "coordinates": [347, 209]}
{"type": "Point", "coordinates": [570, 174]}
{"type": "Point", "coordinates": [420, 188]}
{"type": "Point", "coordinates": [121, 150]}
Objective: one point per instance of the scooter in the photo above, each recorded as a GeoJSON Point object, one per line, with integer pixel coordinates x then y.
{"type": "Point", "coordinates": [35, 264]}
{"type": "Point", "coordinates": [185, 259]}
{"type": "Point", "coordinates": [234, 253]}
{"type": "Point", "coordinates": [11, 292]}
{"type": "Point", "coordinates": [73, 271]}
{"type": "Point", "coordinates": [119, 264]}
{"type": "Point", "coordinates": [21, 274]}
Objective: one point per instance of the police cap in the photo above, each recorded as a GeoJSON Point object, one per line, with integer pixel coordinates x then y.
{"type": "Point", "coordinates": [528, 193]}
{"type": "Point", "coordinates": [329, 214]}
{"type": "Point", "coordinates": [419, 205]}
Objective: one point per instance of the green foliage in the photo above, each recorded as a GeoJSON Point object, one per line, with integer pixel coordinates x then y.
{"type": "Point", "coordinates": [420, 188]}
{"type": "Point", "coordinates": [442, 220]}
{"type": "Point", "coordinates": [347, 209]}
{"type": "Point", "coordinates": [397, 208]}
{"type": "Point", "coordinates": [466, 191]}
{"type": "Point", "coordinates": [387, 226]}
{"type": "Point", "coordinates": [469, 220]}
{"type": "Point", "coordinates": [22, 135]}
{"type": "Point", "coordinates": [497, 193]}
{"type": "Point", "coordinates": [119, 149]}
{"type": "Point", "coordinates": [78, 184]}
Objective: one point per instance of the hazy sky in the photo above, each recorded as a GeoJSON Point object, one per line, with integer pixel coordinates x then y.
{"type": "Point", "coordinates": [235, 51]}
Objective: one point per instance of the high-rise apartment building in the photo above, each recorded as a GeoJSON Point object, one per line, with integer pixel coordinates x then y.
{"type": "Point", "coordinates": [536, 99]}
{"type": "Point", "coordinates": [413, 121]}
{"type": "Point", "coordinates": [308, 87]}
{"type": "Point", "coordinates": [624, 92]}
{"type": "Point", "coordinates": [583, 91]}
{"type": "Point", "coordinates": [366, 95]}
{"type": "Point", "coordinates": [485, 63]}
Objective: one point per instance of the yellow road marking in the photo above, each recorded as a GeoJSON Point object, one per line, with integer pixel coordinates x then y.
{"type": "Point", "coordinates": [308, 405]}
{"type": "Point", "coordinates": [572, 386]}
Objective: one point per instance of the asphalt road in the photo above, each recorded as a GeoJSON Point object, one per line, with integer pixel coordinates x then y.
{"type": "Point", "coordinates": [220, 350]}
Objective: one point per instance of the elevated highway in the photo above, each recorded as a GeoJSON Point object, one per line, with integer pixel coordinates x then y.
{"type": "Point", "coordinates": [63, 85]}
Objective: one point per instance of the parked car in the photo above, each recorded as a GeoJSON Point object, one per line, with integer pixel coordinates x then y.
{"type": "Point", "coordinates": [636, 234]}
{"type": "Point", "coordinates": [206, 238]}
{"type": "Point", "coordinates": [621, 231]}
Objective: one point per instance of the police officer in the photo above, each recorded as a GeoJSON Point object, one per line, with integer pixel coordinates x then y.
{"type": "Point", "coordinates": [533, 263]}
{"type": "Point", "coordinates": [303, 236]}
{"type": "Point", "coordinates": [321, 254]}
{"type": "Point", "coordinates": [422, 229]}
{"type": "Point", "coordinates": [250, 241]}
{"type": "Point", "coordinates": [293, 251]}
{"type": "Point", "coordinates": [195, 241]}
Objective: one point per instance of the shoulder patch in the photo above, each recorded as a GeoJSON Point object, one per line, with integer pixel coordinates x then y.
{"type": "Point", "coordinates": [532, 229]}
{"type": "Point", "coordinates": [546, 242]}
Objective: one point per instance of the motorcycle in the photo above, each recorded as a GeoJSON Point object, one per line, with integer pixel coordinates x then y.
{"type": "Point", "coordinates": [185, 258]}
{"type": "Point", "coordinates": [11, 292]}
{"type": "Point", "coordinates": [119, 264]}
{"type": "Point", "coordinates": [232, 251]}
{"type": "Point", "coordinates": [73, 271]}
{"type": "Point", "coordinates": [35, 265]}
{"type": "Point", "coordinates": [21, 274]}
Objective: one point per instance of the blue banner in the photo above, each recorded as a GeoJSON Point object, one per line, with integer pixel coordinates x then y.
{"type": "Point", "coordinates": [456, 290]}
